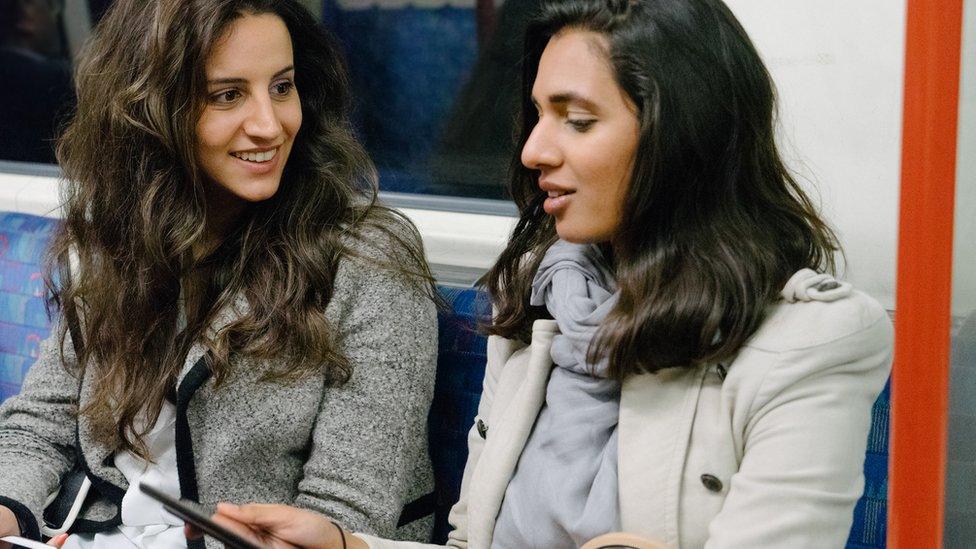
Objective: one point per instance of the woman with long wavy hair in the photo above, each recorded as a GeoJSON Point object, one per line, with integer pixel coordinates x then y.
{"type": "Point", "coordinates": [669, 354]}
{"type": "Point", "coordinates": [239, 317]}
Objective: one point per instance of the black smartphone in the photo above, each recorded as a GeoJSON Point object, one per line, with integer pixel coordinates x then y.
{"type": "Point", "coordinates": [191, 512]}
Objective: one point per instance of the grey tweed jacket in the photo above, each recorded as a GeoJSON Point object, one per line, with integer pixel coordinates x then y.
{"type": "Point", "coordinates": [356, 453]}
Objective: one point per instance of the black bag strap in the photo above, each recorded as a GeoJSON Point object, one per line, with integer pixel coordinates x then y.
{"type": "Point", "coordinates": [419, 508]}
{"type": "Point", "coordinates": [74, 326]}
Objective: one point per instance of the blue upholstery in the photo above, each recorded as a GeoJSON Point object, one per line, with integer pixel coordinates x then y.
{"type": "Point", "coordinates": [460, 370]}
{"type": "Point", "coordinates": [23, 319]}
{"type": "Point", "coordinates": [870, 528]}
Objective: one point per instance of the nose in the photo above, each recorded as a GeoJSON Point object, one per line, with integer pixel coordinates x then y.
{"type": "Point", "coordinates": [262, 120]}
{"type": "Point", "coordinates": [540, 150]}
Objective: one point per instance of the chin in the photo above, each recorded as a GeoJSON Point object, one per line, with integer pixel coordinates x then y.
{"type": "Point", "coordinates": [262, 197]}
{"type": "Point", "coordinates": [581, 235]}
{"type": "Point", "coordinates": [259, 194]}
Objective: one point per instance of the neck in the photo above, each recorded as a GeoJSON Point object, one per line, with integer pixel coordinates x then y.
{"type": "Point", "coordinates": [221, 221]}
{"type": "Point", "coordinates": [225, 212]}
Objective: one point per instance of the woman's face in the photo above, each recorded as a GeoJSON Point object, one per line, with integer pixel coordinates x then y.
{"type": "Point", "coordinates": [586, 137]}
{"type": "Point", "coordinates": [252, 112]}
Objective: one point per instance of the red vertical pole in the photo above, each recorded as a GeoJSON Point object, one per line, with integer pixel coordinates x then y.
{"type": "Point", "coordinates": [920, 380]}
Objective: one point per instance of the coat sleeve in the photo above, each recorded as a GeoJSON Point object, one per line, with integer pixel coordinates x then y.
{"type": "Point", "coordinates": [368, 452]}
{"type": "Point", "coordinates": [37, 434]}
{"type": "Point", "coordinates": [498, 351]}
{"type": "Point", "coordinates": [804, 437]}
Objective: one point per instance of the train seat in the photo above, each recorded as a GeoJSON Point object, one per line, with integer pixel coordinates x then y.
{"type": "Point", "coordinates": [460, 370]}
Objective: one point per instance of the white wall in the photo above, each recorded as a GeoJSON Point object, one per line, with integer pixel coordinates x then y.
{"type": "Point", "coordinates": [964, 250]}
{"type": "Point", "coordinates": [838, 66]}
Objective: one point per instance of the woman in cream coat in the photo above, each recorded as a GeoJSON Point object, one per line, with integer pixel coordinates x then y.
{"type": "Point", "coordinates": [668, 356]}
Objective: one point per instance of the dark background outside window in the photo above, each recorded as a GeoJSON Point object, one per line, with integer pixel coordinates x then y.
{"type": "Point", "coordinates": [435, 87]}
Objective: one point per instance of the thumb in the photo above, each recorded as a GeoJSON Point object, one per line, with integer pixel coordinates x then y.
{"type": "Point", "coordinates": [261, 516]}
{"type": "Point", "coordinates": [58, 540]}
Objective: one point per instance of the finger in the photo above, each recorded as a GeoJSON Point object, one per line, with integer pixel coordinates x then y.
{"type": "Point", "coordinates": [58, 540]}
{"type": "Point", "coordinates": [242, 529]}
{"type": "Point", "coordinates": [264, 516]}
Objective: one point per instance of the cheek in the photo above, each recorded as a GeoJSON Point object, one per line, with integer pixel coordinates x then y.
{"type": "Point", "coordinates": [608, 177]}
{"type": "Point", "coordinates": [213, 132]}
{"type": "Point", "coordinates": [291, 118]}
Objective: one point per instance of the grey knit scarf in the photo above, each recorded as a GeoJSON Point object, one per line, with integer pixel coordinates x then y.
{"type": "Point", "coordinates": [564, 490]}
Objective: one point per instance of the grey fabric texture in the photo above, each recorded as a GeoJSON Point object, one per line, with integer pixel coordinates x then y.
{"type": "Point", "coordinates": [564, 490]}
{"type": "Point", "coordinates": [356, 453]}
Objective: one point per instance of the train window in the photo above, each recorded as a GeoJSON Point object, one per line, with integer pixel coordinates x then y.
{"type": "Point", "coordinates": [35, 69]}
{"type": "Point", "coordinates": [434, 82]}
{"type": "Point", "coordinates": [436, 85]}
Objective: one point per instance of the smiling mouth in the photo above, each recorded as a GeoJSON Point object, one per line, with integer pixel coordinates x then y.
{"type": "Point", "coordinates": [256, 157]}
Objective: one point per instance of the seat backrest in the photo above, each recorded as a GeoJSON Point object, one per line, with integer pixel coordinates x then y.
{"type": "Point", "coordinates": [23, 318]}
{"type": "Point", "coordinates": [870, 527]}
{"type": "Point", "coordinates": [461, 362]}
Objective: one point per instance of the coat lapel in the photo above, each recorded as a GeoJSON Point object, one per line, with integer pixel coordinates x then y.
{"type": "Point", "coordinates": [96, 455]}
{"type": "Point", "coordinates": [509, 430]}
{"type": "Point", "coordinates": [227, 314]}
{"type": "Point", "coordinates": [656, 415]}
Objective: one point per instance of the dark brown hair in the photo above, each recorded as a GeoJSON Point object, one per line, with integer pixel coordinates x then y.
{"type": "Point", "coordinates": [713, 223]}
{"type": "Point", "coordinates": [135, 208]}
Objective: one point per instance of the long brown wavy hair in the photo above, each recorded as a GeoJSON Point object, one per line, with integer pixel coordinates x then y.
{"type": "Point", "coordinates": [713, 223]}
{"type": "Point", "coordinates": [135, 208]}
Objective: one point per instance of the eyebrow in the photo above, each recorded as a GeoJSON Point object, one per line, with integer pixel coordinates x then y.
{"type": "Point", "coordinates": [243, 80]}
{"type": "Point", "coordinates": [570, 97]}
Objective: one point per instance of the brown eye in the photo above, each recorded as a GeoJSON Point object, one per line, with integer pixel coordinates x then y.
{"type": "Point", "coordinates": [225, 97]}
{"type": "Point", "coordinates": [581, 125]}
{"type": "Point", "coordinates": [283, 88]}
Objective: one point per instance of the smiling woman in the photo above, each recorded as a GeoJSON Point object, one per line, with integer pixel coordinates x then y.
{"type": "Point", "coordinates": [252, 114]}
{"type": "Point", "coordinates": [240, 318]}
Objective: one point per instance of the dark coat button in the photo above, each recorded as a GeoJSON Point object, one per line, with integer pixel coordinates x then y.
{"type": "Point", "coordinates": [482, 429]}
{"type": "Point", "coordinates": [827, 285]}
{"type": "Point", "coordinates": [711, 483]}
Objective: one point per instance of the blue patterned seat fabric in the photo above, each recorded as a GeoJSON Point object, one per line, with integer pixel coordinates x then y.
{"type": "Point", "coordinates": [23, 317]}
{"type": "Point", "coordinates": [870, 528]}
{"type": "Point", "coordinates": [460, 370]}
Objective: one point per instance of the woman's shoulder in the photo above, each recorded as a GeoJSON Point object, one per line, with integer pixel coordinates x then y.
{"type": "Point", "coordinates": [840, 346]}
{"type": "Point", "coordinates": [382, 265]}
{"type": "Point", "coordinates": [818, 320]}
{"type": "Point", "coordinates": [383, 236]}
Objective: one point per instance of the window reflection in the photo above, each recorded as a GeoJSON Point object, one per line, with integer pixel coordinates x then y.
{"type": "Point", "coordinates": [960, 479]}
{"type": "Point", "coordinates": [960, 527]}
{"type": "Point", "coordinates": [435, 84]}
{"type": "Point", "coordinates": [35, 73]}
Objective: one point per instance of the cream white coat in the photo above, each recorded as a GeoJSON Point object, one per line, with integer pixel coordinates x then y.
{"type": "Point", "coordinates": [785, 433]}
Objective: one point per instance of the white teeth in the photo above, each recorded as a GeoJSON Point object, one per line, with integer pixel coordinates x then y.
{"type": "Point", "coordinates": [256, 156]}
{"type": "Point", "coordinates": [556, 194]}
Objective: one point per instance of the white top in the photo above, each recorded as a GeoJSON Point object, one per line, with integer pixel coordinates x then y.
{"type": "Point", "coordinates": [145, 523]}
